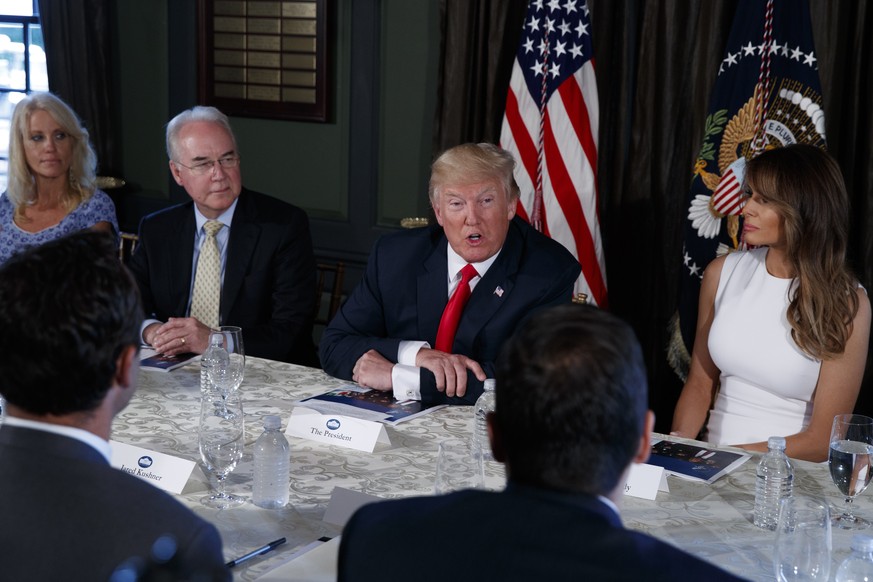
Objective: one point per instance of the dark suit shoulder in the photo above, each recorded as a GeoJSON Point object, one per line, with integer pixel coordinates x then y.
{"type": "Point", "coordinates": [522, 534]}
{"type": "Point", "coordinates": [406, 248]}
{"type": "Point", "coordinates": [540, 249]}
{"type": "Point", "coordinates": [264, 209]}
{"type": "Point", "coordinates": [168, 216]}
{"type": "Point", "coordinates": [133, 512]}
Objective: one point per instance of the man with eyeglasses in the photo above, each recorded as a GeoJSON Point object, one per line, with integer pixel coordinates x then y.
{"type": "Point", "coordinates": [230, 256]}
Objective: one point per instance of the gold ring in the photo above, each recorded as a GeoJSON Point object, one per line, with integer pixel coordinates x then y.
{"type": "Point", "coordinates": [183, 341]}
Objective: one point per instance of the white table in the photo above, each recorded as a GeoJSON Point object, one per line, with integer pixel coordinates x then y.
{"type": "Point", "coordinates": [710, 521]}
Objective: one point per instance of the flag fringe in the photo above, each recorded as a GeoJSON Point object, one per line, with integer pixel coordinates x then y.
{"type": "Point", "coordinates": [677, 354]}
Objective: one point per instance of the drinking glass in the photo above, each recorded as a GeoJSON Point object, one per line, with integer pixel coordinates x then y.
{"type": "Point", "coordinates": [803, 540]}
{"type": "Point", "coordinates": [221, 438]}
{"type": "Point", "coordinates": [849, 460]}
{"type": "Point", "coordinates": [226, 374]}
{"type": "Point", "coordinates": [459, 466]}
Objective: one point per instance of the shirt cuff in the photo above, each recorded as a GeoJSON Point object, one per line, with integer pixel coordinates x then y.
{"type": "Point", "coordinates": [408, 350]}
{"type": "Point", "coordinates": [406, 382]}
{"type": "Point", "coordinates": [142, 329]}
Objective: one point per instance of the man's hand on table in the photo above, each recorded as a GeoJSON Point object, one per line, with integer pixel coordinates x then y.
{"type": "Point", "coordinates": [372, 370]}
{"type": "Point", "coordinates": [450, 370]}
{"type": "Point", "coordinates": [180, 335]}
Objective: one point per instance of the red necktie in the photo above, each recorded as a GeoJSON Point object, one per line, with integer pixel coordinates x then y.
{"type": "Point", "coordinates": [452, 314]}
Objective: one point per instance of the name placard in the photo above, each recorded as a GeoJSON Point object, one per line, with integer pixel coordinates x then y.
{"type": "Point", "coordinates": [335, 429]}
{"type": "Point", "coordinates": [163, 471]}
{"type": "Point", "coordinates": [345, 502]}
{"type": "Point", "coordinates": [645, 481]}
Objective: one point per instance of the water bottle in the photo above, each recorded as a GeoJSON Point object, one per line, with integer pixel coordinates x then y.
{"type": "Point", "coordinates": [484, 405]}
{"type": "Point", "coordinates": [775, 481]}
{"type": "Point", "coordinates": [272, 470]}
{"type": "Point", "coordinates": [858, 567]}
{"type": "Point", "coordinates": [215, 355]}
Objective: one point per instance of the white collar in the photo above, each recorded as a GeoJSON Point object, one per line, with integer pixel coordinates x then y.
{"type": "Point", "coordinates": [224, 218]}
{"type": "Point", "coordinates": [456, 263]}
{"type": "Point", "coordinates": [89, 438]}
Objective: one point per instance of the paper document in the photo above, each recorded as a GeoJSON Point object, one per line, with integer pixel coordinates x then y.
{"type": "Point", "coordinates": [366, 404]}
{"type": "Point", "coordinates": [694, 462]}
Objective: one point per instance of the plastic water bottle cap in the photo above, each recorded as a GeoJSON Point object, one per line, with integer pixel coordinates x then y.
{"type": "Point", "coordinates": [490, 384]}
{"type": "Point", "coordinates": [776, 443]}
{"type": "Point", "coordinates": [272, 422]}
{"type": "Point", "coordinates": [862, 543]}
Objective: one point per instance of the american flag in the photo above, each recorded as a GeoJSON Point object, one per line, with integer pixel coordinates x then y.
{"type": "Point", "coordinates": [550, 126]}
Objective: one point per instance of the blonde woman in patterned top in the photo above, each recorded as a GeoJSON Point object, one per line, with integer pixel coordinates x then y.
{"type": "Point", "coordinates": [51, 190]}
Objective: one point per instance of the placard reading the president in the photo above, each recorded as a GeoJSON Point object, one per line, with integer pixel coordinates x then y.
{"type": "Point", "coordinates": [163, 471]}
{"type": "Point", "coordinates": [335, 429]}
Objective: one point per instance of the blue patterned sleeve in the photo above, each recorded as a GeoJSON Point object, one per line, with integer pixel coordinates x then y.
{"type": "Point", "coordinates": [98, 208]}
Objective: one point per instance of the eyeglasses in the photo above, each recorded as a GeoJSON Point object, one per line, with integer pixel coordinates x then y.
{"type": "Point", "coordinates": [203, 168]}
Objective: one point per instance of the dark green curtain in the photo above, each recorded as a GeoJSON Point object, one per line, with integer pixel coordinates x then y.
{"type": "Point", "coordinates": [477, 47]}
{"type": "Point", "coordinates": [656, 63]}
{"type": "Point", "coordinates": [78, 44]}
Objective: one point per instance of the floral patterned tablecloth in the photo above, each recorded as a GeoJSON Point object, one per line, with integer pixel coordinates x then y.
{"type": "Point", "coordinates": [711, 521]}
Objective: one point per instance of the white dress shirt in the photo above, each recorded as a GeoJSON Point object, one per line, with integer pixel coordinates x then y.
{"type": "Point", "coordinates": [199, 237]}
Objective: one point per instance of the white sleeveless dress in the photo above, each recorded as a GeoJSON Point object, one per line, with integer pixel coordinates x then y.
{"type": "Point", "coordinates": [767, 382]}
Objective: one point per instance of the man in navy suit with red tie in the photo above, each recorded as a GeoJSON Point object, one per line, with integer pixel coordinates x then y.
{"type": "Point", "coordinates": [571, 417]}
{"type": "Point", "coordinates": [436, 303]}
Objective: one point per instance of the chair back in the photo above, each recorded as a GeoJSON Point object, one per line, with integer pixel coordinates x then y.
{"type": "Point", "coordinates": [127, 242]}
{"type": "Point", "coordinates": [330, 277]}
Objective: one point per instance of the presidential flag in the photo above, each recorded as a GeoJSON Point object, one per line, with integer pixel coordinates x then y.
{"type": "Point", "coordinates": [767, 94]}
{"type": "Point", "coordinates": [550, 126]}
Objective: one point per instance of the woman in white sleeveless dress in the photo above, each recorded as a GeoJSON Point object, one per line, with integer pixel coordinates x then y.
{"type": "Point", "coordinates": [782, 329]}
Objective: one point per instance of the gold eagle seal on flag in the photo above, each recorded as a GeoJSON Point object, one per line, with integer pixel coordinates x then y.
{"type": "Point", "coordinates": [795, 116]}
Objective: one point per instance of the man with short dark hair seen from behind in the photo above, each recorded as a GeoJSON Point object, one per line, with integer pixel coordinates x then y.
{"type": "Point", "coordinates": [571, 417]}
{"type": "Point", "coordinates": [70, 319]}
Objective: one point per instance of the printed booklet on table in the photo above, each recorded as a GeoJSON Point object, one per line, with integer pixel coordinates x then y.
{"type": "Point", "coordinates": [366, 404]}
{"type": "Point", "coordinates": [149, 360]}
{"type": "Point", "coordinates": [694, 462]}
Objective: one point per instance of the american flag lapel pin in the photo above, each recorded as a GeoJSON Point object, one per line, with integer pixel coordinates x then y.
{"type": "Point", "coordinates": [498, 291]}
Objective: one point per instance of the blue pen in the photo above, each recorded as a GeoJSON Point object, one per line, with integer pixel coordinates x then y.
{"type": "Point", "coordinates": [258, 552]}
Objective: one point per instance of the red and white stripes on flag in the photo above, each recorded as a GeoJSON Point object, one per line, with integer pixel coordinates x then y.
{"type": "Point", "coordinates": [550, 126]}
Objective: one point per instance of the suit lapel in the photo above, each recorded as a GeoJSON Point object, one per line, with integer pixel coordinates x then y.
{"type": "Point", "coordinates": [241, 244]}
{"type": "Point", "coordinates": [179, 255]}
{"type": "Point", "coordinates": [432, 291]}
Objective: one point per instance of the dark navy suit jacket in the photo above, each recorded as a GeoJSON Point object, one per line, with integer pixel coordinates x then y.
{"type": "Point", "coordinates": [269, 279]}
{"type": "Point", "coordinates": [65, 514]}
{"type": "Point", "coordinates": [403, 295]}
{"type": "Point", "coordinates": [521, 533]}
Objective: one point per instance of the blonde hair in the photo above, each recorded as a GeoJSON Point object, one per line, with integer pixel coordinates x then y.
{"type": "Point", "coordinates": [805, 186]}
{"type": "Point", "coordinates": [471, 163]}
{"type": "Point", "coordinates": [21, 189]}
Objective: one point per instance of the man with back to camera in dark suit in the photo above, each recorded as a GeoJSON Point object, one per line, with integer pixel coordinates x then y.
{"type": "Point", "coordinates": [69, 334]}
{"type": "Point", "coordinates": [266, 279]}
{"type": "Point", "coordinates": [391, 332]}
{"type": "Point", "coordinates": [571, 417]}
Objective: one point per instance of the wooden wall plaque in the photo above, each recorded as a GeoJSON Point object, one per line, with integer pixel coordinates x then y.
{"type": "Point", "coordinates": [265, 58]}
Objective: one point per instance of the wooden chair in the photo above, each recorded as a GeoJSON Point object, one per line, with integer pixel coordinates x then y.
{"type": "Point", "coordinates": [325, 272]}
{"type": "Point", "coordinates": [127, 242]}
